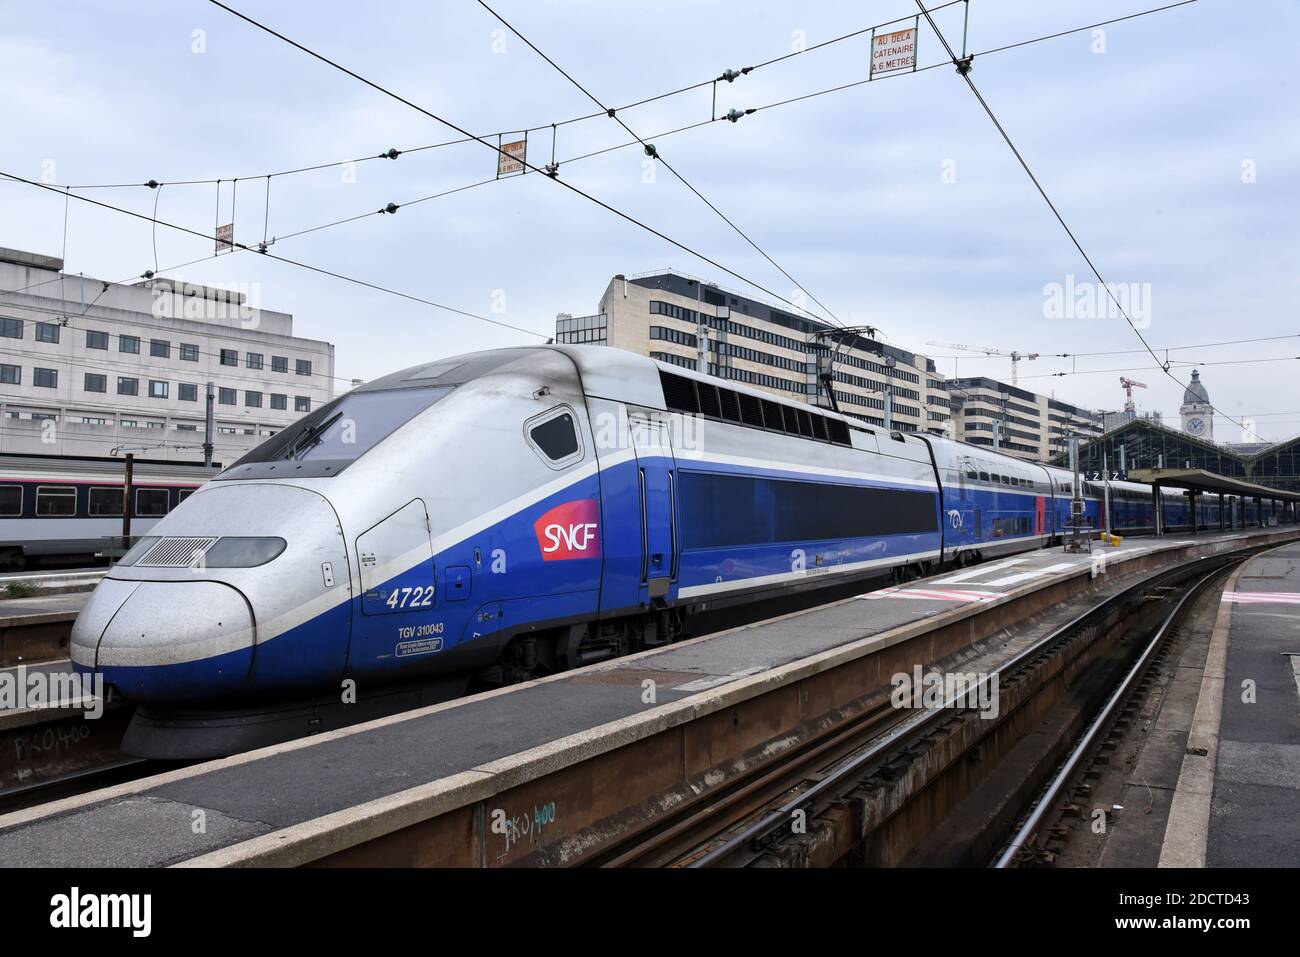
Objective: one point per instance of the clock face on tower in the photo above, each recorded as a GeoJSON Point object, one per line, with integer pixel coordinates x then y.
{"type": "Point", "coordinates": [1195, 425]}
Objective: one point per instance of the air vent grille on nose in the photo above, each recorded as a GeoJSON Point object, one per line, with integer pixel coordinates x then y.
{"type": "Point", "coordinates": [175, 552]}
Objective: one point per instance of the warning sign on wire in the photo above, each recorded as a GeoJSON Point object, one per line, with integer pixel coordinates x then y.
{"type": "Point", "coordinates": [891, 52]}
{"type": "Point", "coordinates": [225, 237]}
{"type": "Point", "coordinates": [511, 158]}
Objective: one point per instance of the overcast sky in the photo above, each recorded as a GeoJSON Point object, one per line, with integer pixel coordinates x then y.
{"type": "Point", "coordinates": [1170, 146]}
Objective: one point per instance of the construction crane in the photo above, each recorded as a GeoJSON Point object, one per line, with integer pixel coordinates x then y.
{"type": "Point", "coordinates": [1014, 356]}
{"type": "Point", "coordinates": [1129, 385]}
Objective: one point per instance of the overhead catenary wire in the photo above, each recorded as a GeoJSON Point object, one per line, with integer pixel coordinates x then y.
{"type": "Point", "coordinates": [502, 153]}
{"type": "Point", "coordinates": [292, 262]}
{"type": "Point", "coordinates": [620, 146]}
{"type": "Point", "coordinates": [654, 154]}
{"type": "Point", "coordinates": [963, 66]}
{"type": "Point", "coordinates": [990, 357]}
{"type": "Point", "coordinates": [395, 153]}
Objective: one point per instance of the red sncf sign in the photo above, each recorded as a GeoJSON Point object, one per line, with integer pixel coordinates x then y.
{"type": "Point", "coordinates": [571, 530]}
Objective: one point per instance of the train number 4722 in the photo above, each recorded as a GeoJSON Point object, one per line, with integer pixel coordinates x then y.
{"type": "Point", "coordinates": [420, 596]}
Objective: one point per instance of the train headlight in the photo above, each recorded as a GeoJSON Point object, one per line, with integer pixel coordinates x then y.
{"type": "Point", "coordinates": [242, 552]}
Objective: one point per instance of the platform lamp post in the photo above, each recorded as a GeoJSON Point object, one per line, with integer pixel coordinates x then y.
{"type": "Point", "coordinates": [1075, 544]}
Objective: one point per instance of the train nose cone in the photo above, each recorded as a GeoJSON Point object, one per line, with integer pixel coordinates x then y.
{"type": "Point", "coordinates": [166, 641]}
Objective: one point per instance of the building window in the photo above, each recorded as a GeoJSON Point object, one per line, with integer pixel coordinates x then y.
{"type": "Point", "coordinates": [11, 328]}
{"type": "Point", "coordinates": [183, 427]}
{"type": "Point", "coordinates": [96, 382]}
{"type": "Point", "coordinates": [157, 389]}
{"type": "Point", "coordinates": [253, 399]}
{"type": "Point", "coordinates": [11, 375]}
{"type": "Point", "coordinates": [253, 360]}
{"type": "Point", "coordinates": [230, 357]}
{"type": "Point", "coordinates": [226, 396]}
{"type": "Point", "coordinates": [56, 500]}
{"type": "Point", "coordinates": [189, 352]}
{"type": "Point", "coordinates": [160, 348]}
{"type": "Point", "coordinates": [127, 386]}
{"type": "Point", "coordinates": [96, 340]}
{"type": "Point", "coordinates": [129, 344]}
{"type": "Point", "coordinates": [302, 366]}
{"type": "Point", "coordinates": [278, 401]}
{"type": "Point", "coordinates": [45, 378]}
{"type": "Point", "coordinates": [189, 392]}
{"type": "Point", "coordinates": [278, 363]}
{"type": "Point", "coordinates": [301, 403]}
{"type": "Point", "coordinates": [47, 332]}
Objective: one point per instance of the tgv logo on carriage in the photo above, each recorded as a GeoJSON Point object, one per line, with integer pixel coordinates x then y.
{"type": "Point", "coordinates": [571, 530]}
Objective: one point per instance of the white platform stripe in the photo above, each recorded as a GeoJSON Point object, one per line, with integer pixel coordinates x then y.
{"type": "Point", "coordinates": [1262, 597]}
{"type": "Point", "coordinates": [1030, 575]}
{"type": "Point", "coordinates": [932, 594]}
{"type": "Point", "coordinates": [983, 570]}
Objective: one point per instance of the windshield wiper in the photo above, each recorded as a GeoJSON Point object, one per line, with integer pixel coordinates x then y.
{"type": "Point", "coordinates": [310, 437]}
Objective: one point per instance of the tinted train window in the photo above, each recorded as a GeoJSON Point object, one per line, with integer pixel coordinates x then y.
{"type": "Point", "coordinates": [725, 511]}
{"type": "Point", "coordinates": [11, 499]}
{"type": "Point", "coordinates": [556, 436]}
{"type": "Point", "coordinates": [56, 500]}
{"type": "Point", "coordinates": [150, 502]}
{"type": "Point", "coordinates": [341, 431]}
{"type": "Point", "coordinates": [105, 501]}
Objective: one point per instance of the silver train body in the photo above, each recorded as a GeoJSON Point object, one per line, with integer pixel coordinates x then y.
{"type": "Point", "coordinates": [518, 511]}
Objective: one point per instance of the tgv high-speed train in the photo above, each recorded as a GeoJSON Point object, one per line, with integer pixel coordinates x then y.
{"type": "Point", "coordinates": [514, 512]}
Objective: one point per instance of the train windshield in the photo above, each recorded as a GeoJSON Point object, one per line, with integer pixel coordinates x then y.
{"type": "Point", "coordinates": [338, 433]}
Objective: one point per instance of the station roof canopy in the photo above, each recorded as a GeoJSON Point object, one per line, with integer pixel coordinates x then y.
{"type": "Point", "coordinates": [1204, 481]}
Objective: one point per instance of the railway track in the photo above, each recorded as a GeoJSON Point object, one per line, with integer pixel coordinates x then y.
{"type": "Point", "coordinates": [827, 797]}
{"type": "Point", "coordinates": [1041, 825]}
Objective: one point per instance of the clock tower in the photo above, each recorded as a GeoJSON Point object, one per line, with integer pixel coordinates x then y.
{"type": "Point", "coordinates": [1197, 413]}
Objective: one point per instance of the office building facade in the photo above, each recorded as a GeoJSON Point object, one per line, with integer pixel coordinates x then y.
{"type": "Point", "coordinates": [689, 322]}
{"type": "Point", "coordinates": [88, 367]}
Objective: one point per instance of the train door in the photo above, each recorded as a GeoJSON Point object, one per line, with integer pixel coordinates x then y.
{"type": "Point", "coordinates": [397, 584]}
{"type": "Point", "coordinates": [657, 480]}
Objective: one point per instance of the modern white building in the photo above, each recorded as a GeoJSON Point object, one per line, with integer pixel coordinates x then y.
{"type": "Point", "coordinates": [676, 318]}
{"type": "Point", "coordinates": [1016, 421]}
{"type": "Point", "coordinates": [88, 366]}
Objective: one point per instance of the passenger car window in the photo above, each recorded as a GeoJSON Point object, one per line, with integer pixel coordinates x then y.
{"type": "Point", "coordinates": [56, 500]}
{"type": "Point", "coordinates": [11, 499]}
{"type": "Point", "coordinates": [150, 502]}
{"type": "Point", "coordinates": [555, 435]}
{"type": "Point", "coordinates": [105, 501]}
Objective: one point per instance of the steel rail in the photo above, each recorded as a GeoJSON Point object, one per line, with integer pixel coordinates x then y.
{"type": "Point", "coordinates": [911, 733]}
{"type": "Point", "coordinates": [1066, 773]}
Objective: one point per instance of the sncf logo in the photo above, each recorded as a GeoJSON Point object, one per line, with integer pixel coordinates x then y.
{"type": "Point", "coordinates": [570, 530]}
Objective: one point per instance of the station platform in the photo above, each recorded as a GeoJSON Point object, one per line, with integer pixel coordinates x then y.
{"type": "Point", "coordinates": [303, 801]}
{"type": "Point", "coordinates": [37, 629]}
{"type": "Point", "coordinates": [1237, 800]}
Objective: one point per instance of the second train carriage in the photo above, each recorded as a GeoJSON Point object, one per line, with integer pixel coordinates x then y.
{"type": "Point", "coordinates": [64, 508]}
